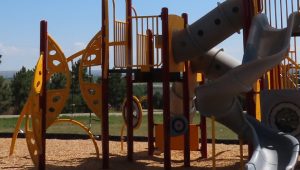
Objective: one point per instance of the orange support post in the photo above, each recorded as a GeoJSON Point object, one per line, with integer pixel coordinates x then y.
{"type": "Point", "coordinates": [43, 96]}
{"type": "Point", "coordinates": [105, 64]}
{"type": "Point", "coordinates": [203, 129]}
{"type": "Point", "coordinates": [129, 82]}
{"type": "Point", "coordinates": [150, 95]}
{"type": "Point", "coordinates": [166, 88]}
{"type": "Point", "coordinates": [186, 105]}
{"type": "Point", "coordinates": [248, 15]}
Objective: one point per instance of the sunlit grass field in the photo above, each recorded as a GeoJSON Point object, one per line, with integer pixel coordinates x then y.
{"type": "Point", "coordinates": [116, 122]}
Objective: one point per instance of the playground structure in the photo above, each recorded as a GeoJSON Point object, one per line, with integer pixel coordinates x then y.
{"type": "Point", "coordinates": [161, 42]}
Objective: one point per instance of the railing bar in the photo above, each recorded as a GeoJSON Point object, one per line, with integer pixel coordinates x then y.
{"type": "Point", "coordinates": [281, 14]}
{"type": "Point", "coordinates": [270, 12]}
{"type": "Point", "coordinates": [275, 6]}
{"type": "Point", "coordinates": [149, 16]}
{"type": "Point", "coordinates": [114, 41]}
{"type": "Point", "coordinates": [118, 39]}
{"type": "Point", "coordinates": [142, 43]}
{"type": "Point", "coordinates": [265, 7]}
{"type": "Point", "coordinates": [157, 33]}
{"type": "Point", "coordinates": [287, 9]}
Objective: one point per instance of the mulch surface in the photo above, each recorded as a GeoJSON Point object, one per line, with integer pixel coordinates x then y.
{"type": "Point", "coordinates": [81, 155]}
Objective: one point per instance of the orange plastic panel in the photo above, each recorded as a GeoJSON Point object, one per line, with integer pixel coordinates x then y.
{"type": "Point", "coordinates": [56, 98]}
{"type": "Point", "coordinates": [177, 143]}
{"type": "Point", "coordinates": [32, 144]}
{"type": "Point", "coordinates": [175, 23]}
{"type": "Point", "coordinates": [57, 64]}
{"type": "Point", "coordinates": [91, 91]}
{"type": "Point", "coordinates": [19, 122]}
{"type": "Point", "coordinates": [31, 106]}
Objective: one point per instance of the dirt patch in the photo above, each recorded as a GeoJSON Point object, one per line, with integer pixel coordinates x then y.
{"type": "Point", "coordinates": [81, 155]}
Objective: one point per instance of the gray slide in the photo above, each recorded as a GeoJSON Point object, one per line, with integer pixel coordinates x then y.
{"type": "Point", "coordinates": [266, 48]}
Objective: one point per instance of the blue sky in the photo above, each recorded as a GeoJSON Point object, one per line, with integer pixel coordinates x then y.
{"type": "Point", "coordinates": [73, 24]}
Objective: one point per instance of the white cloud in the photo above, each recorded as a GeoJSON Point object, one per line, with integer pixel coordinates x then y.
{"type": "Point", "coordinates": [79, 45]}
{"type": "Point", "coordinates": [14, 57]}
{"type": "Point", "coordinates": [9, 50]}
{"type": "Point", "coordinates": [75, 47]}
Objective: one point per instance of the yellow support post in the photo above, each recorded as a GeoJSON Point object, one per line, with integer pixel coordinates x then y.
{"type": "Point", "coordinates": [213, 142]}
{"type": "Point", "coordinates": [241, 155]}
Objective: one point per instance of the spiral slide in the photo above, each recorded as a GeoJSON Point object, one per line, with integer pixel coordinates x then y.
{"type": "Point", "coordinates": [266, 48]}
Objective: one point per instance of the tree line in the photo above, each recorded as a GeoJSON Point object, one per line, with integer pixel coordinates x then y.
{"type": "Point", "coordinates": [14, 92]}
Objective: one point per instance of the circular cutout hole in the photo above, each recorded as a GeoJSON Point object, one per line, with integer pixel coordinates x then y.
{"type": "Point", "coordinates": [92, 57]}
{"type": "Point", "coordinates": [56, 62]}
{"type": "Point", "coordinates": [235, 9]}
{"type": "Point", "coordinates": [200, 33]}
{"type": "Point", "coordinates": [92, 91]}
{"type": "Point", "coordinates": [287, 120]}
{"type": "Point", "coordinates": [38, 84]}
{"type": "Point", "coordinates": [35, 152]}
{"type": "Point", "coordinates": [217, 21]}
{"type": "Point", "coordinates": [52, 52]}
{"type": "Point", "coordinates": [40, 72]}
{"type": "Point", "coordinates": [55, 99]}
{"type": "Point", "coordinates": [32, 141]}
{"type": "Point", "coordinates": [51, 109]}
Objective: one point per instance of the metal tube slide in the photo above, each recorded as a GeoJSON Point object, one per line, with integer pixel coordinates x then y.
{"type": "Point", "coordinates": [207, 32]}
{"type": "Point", "coordinates": [265, 49]}
{"type": "Point", "coordinates": [213, 63]}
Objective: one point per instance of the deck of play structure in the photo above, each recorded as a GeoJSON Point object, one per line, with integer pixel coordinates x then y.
{"type": "Point", "coordinates": [166, 48]}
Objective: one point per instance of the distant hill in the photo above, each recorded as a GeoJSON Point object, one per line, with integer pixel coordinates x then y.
{"type": "Point", "coordinates": [10, 74]}
{"type": "Point", "coordinates": [96, 73]}
{"type": "Point", "coordinates": [7, 74]}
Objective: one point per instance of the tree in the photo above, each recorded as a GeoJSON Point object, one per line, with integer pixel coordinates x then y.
{"type": "Point", "coordinates": [157, 100]}
{"type": "Point", "coordinates": [116, 90]}
{"type": "Point", "coordinates": [20, 88]}
{"type": "Point", "coordinates": [75, 103]}
{"type": "Point", "coordinates": [140, 90]}
{"type": "Point", "coordinates": [5, 95]}
{"type": "Point", "coordinates": [57, 81]}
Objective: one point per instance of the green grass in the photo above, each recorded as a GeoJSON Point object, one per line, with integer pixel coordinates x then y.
{"type": "Point", "coordinates": [7, 125]}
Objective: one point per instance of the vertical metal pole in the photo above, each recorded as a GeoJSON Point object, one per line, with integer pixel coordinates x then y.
{"type": "Point", "coordinates": [213, 142]}
{"type": "Point", "coordinates": [150, 95]}
{"type": "Point", "coordinates": [166, 88]}
{"type": "Point", "coordinates": [260, 5]}
{"type": "Point", "coordinates": [129, 82]}
{"type": "Point", "coordinates": [43, 95]}
{"type": "Point", "coordinates": [105, 65]}
{"type": "Point", "coordinates": [248, 15]}
{"type": "Point", "coordinates": [279, 77]}
{"type": "Point", "coordinates": [203, 129]}
{"type": "Point", "coordinates": [186, 104]}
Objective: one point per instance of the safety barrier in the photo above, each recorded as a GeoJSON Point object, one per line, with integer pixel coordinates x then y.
{"type": "Point", "coordinates": [285, 75]}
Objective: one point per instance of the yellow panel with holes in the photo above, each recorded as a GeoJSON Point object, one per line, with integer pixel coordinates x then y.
{"type": "Point", "coordinates": [38, 75]}
{"type": "Point", "coordinates": [56, 66]}
{"type": "Point", "coordinates": [91, 91]}
{"type": "Point", "coordinates": [32, 143]}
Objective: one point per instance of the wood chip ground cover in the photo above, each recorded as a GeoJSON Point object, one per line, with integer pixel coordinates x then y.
{"type": "Point", "coordinates": [80, 154]}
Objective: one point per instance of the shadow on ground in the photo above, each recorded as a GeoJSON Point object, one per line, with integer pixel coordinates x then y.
{"type": "Point", "coordinates": [142, 161]}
